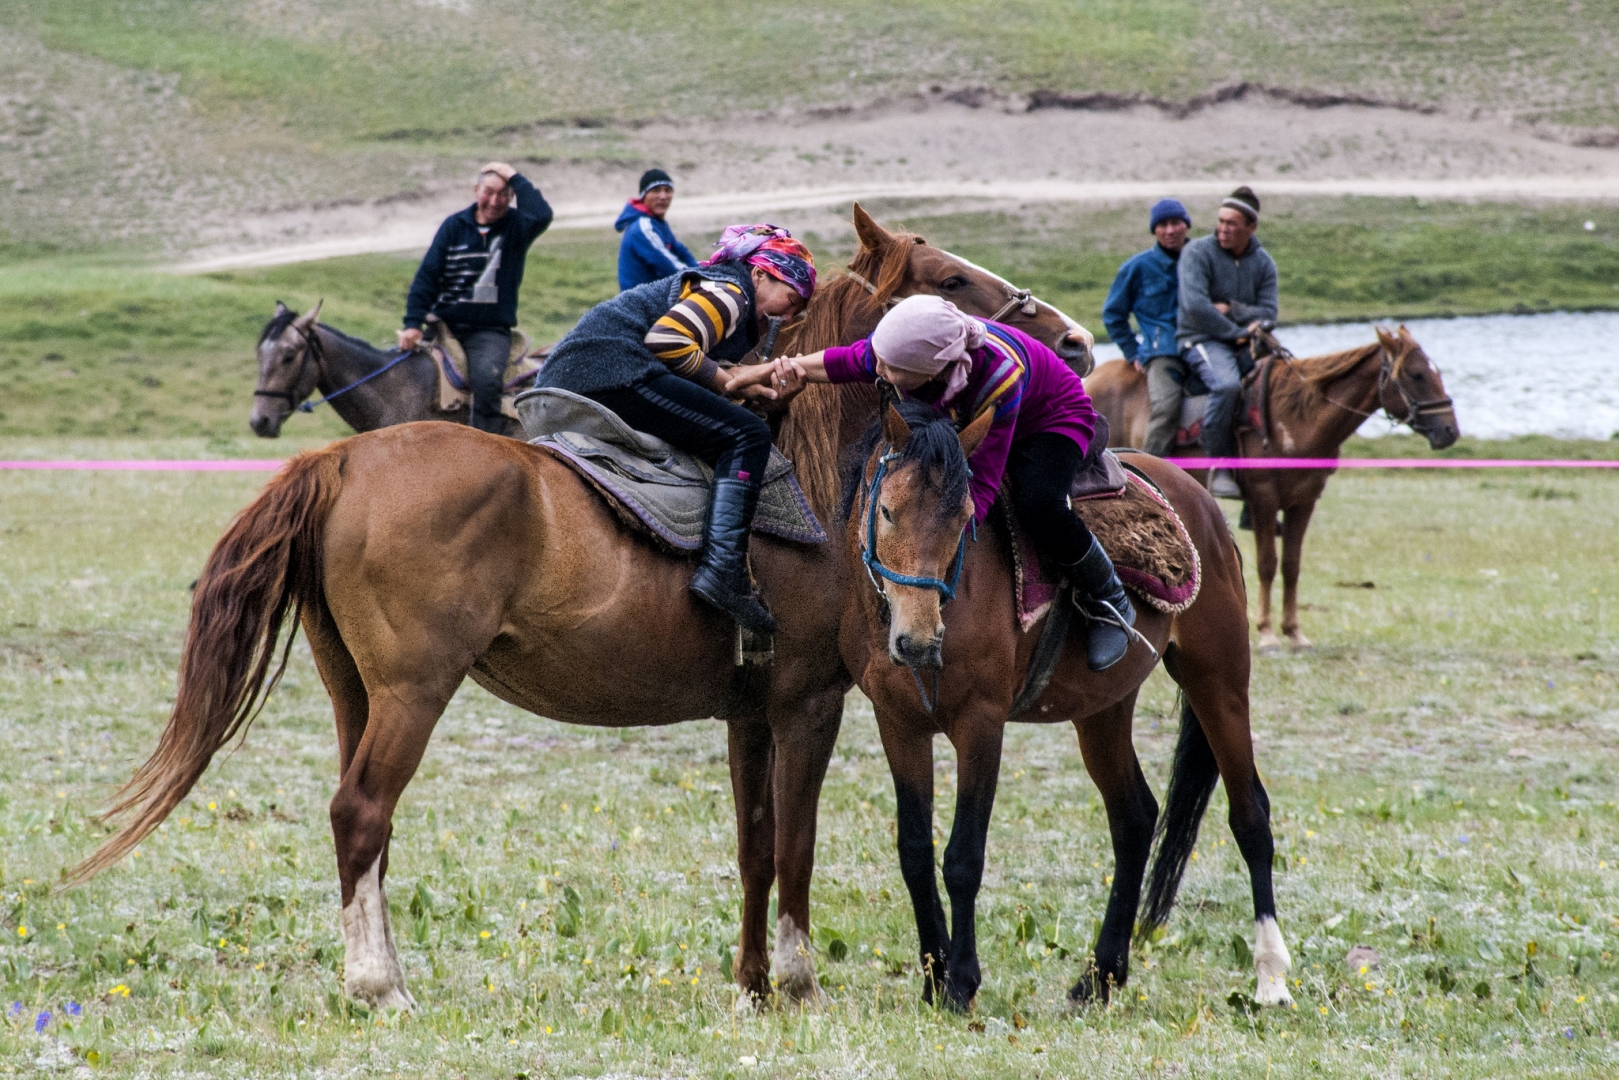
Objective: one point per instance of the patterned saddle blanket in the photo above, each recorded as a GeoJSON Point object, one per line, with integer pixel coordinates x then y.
{"type": "Point", "coordinates": [1147, 541]}
{"type": "Point", "coordinates": [656, 489]}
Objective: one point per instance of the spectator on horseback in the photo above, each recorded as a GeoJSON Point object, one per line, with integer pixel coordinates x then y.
{"type": "Point", "coordinates": [1146, 286]}
{"type": "Point", "coordinates": [470, 276]}
{"type": "Point", "coordinates": [649, 250]}
{"type": "Point", "coordinates": [930, 350]}
{"type": "Point", "coordinates": [652, 354]}
{"type": "Point", "coordinates": [1227, 292]}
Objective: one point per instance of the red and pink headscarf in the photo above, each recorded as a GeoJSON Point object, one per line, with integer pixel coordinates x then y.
{"type": "Point", "coordinates": [773, 250]}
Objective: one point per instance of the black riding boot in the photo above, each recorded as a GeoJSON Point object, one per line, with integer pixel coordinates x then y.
{"type": "Point", "coordinates": [1105, 605]}
{"type": "Point", "coordinates": [722, 576]}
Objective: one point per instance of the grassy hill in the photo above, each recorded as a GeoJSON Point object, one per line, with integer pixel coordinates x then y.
{"type": "Point", "coordinates": [121, 120]}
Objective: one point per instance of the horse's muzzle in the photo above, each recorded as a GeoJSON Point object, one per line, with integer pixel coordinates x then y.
{"type": "Point", "coordinates": [1441, 432]}
{"type": "Point", "coordinates": [1072, 348]}
{"type": "Point", "coordinates": [925, 653]}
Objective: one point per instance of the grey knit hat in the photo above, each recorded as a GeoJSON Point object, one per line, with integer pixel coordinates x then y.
{"type": "Point", "coordinates": [1245, 202]}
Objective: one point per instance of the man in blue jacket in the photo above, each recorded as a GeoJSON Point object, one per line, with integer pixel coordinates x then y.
{"type": "Point", "coordinates": [649, 250]}
{"type": "Point", "coordinates": [470, 277]}
{"type": "Point", "coordinates": [1147, 287]}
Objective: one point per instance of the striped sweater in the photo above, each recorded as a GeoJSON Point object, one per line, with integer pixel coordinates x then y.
{"type": "Point", "coordinates": [1028, 387]}
{"type": "Point", "coordinates": [688, 323]}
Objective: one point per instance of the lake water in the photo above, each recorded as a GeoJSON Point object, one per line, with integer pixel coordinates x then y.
{"type": "Point", "coordinates": [1552, 374]}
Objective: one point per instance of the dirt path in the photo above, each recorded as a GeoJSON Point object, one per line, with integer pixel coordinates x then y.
{"type": "Point", "coordinates": [958, 156]}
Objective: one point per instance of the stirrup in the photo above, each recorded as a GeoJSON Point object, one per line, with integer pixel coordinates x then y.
{"type": "Point", "coordinates": [1111, 616]}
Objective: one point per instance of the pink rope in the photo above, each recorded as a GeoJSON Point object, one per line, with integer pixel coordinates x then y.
{"type": "Point", "coordinates": [272, 464]}
{"type": "Point", "coordinates": [242, 465]}
{"type": "Point", "coordinates": [1384, 463]}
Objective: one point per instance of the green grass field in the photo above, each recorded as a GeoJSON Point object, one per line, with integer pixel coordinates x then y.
{"type": "Point", "coordinates": [93, 346]}
{"type": "Point", "coordinates": [1441, 771]}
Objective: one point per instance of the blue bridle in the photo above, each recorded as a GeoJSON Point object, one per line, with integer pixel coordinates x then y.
{"type": "Point", "coordinates": [874, 565]}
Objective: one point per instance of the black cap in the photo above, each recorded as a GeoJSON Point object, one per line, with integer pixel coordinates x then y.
{"type": "Point", "coordinates": [654, 178]}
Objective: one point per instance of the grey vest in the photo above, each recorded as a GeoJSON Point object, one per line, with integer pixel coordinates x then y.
{"type": "Point", "coordinates": [607, 349]}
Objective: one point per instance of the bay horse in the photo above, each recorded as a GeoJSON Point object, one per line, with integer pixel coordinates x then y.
{"type": "Point", "coordinates": [1313, 406]}
{"type": "Point", "coordinates": [419, 554]}
{"type": "Point", "coordinates": [299, 356]}
{"type": "Point", "coordinates": [906, 506]}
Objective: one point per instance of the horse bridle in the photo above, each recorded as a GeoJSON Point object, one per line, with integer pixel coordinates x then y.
{"type": "Point", "coordinates": [1389, 374]}
{"type": "Point", "coordinates": [875, 568]}
{"type": "Point", "coordinates": [311, 348]}
{"type": "Point", "coordinates": [1016, 299]}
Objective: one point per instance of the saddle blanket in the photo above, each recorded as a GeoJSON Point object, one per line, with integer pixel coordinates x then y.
{"type": "Point", "coordinates": [1189, 435]}
{"type": "Point", "coordinates": [656, 489]}
{"type": "Point", "coordinates": [1147, 541]}
{"type": "Point", "coordinates": [454, 387]}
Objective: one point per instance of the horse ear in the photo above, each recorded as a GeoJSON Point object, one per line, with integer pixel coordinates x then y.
{"type": "Point", "coordinates": [1383, 335]}
{"type": "Point", "coordinates": [306, 321]}
{"type": "Point", "coordinates": [895, 429]}
{"type": "Point", "coordinates": [975, 432]}
{"type": "Point", "coordinates": [873, 237]}
{"type": "Point", "coordinates": [280, 309]}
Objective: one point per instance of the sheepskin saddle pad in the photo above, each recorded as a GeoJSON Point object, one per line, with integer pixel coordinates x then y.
{"type": "Point", "coordinates": [656, 489]}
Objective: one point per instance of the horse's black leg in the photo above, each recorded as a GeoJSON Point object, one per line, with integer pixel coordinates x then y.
{"type": "Point", "coordinates": [1250, 824]}
{"type": "Point", "coordinates": [978, 765]}
{"type": "Point", "coordinates": [1132, 812]}
{"type": "Point", "coordinates": [910, 759]}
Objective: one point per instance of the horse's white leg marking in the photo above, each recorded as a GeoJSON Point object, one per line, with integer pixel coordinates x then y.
{"type": "Point", "coordinates": [1271, 963]}
{"type": "Point", "coordinates": [371, 969]}
{"type": "Point", "coordinates": [795, 968]}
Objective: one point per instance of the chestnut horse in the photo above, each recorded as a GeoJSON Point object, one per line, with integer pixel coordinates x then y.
{"type": "Point", "coordinates": [906, 505]}
{"type": "Point", "coordinates": [417, 555]}
{"type": "Point", "coordinates": [1312, 407]}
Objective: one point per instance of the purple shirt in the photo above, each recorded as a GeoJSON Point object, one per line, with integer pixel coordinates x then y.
{"type": "Point", "coordinates": [1029, 387]}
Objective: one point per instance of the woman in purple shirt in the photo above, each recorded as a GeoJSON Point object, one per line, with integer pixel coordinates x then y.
{"type": "Point", "coordinates": [933, 352]}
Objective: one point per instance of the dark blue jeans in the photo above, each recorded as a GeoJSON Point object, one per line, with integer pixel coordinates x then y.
{"type": "Point", "coordinates": [487, 349]}
{"type": "Point", "coordinates": [1216, 364]}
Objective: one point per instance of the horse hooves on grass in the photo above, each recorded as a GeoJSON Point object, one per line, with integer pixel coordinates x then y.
{"type": "Point", "coordinates": [1300, 643]}
{"type": "Point", "coordinates": [1269, 645]}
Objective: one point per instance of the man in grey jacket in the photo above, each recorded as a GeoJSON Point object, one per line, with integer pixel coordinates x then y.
{"type": "Point", "coordinates": [1227, 290]}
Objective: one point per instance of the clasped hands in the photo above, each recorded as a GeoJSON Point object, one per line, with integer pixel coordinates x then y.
{"type": "Point", "coordinates": [774, 380]}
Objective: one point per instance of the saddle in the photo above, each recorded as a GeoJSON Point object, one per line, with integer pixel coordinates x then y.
{"type": "Point", "coordinates": [1254, 414]}
{"type": "Point", "coordinates": [454, 386]}
{"type": "Point", "coordinates": [656, 490]}
{"type": "Point", "coordinates": [1147, 541]}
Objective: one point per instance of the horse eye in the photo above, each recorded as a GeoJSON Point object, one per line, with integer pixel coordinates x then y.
{"type": "Point", "coordinates": [888, 516]}
{"type": "Point", "coordinates": [953, 283]}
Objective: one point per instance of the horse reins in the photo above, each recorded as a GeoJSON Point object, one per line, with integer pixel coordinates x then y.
{"type": "Point", "coordinates": [876, 569]}
{"type": "Point", "coordinates": [1389, 373]}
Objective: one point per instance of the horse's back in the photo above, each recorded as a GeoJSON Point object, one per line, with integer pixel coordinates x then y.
{"type": "Point", "coordinates": [1119, 392]}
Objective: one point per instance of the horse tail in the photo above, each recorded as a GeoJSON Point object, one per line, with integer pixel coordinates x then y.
{"type": "Point", "coordinates": [1192, 777]}
{"type": "Point", "coordinates": [269, 562]}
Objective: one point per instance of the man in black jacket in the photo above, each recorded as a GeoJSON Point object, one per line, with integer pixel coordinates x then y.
{"type": "Point", "coordinates": [470, 277]}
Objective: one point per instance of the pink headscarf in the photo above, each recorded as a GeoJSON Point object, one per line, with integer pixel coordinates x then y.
{"type": "Point", "coordinates": [926, 334]}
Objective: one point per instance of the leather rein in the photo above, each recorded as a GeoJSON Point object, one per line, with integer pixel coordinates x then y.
{"type": "Point", "coordinates": [946, 588]}
{"type": "Point", "coordinates": [1388, 375]}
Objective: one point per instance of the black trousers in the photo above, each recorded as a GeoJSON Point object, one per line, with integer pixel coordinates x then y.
{"type": "Point", "coordinates": [487, 349]}
{"type": "Point", "coordinates": [1041, 468]}
{"type": "Point", "coordinates": [728, 437]}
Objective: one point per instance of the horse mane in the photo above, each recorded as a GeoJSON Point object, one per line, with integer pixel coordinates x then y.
{"type": "Point", "coordinates": [933, 447]}
{"type": "Point", "coordinates": [814, 420]}
{"type": "Point", "coordinates": [1315, 372]}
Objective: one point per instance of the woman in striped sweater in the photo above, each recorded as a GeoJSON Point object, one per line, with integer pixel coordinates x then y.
{"type": "Point", "coordinates": [652, 354]}
{"type": "Point", "coordinates": [930, 350]}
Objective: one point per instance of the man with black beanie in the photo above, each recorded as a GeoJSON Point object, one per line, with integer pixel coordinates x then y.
{"type": "Point", "coordinates": [1227, 290]}
{"type": "Point", "coordinates": [649, 250]}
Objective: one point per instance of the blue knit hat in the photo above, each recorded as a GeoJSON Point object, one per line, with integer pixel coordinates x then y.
{"type": "Point", "coordinates": [1165, 209]}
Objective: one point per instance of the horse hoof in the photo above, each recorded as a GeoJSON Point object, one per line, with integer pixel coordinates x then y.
{"type": "Point", "coordinates": [1300, 643]}
{"type": "Point", "coordinates": [1089, 990]}
{"type": "Point", "coordinates": [1269, 644]}
{"type": "Point", "coordinates": [1273, 991]}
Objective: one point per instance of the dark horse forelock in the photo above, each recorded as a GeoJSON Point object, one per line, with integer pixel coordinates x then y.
{"type": "Point", "coordinates": [277, 325]}
{"type": "Point", "coordinates": [933, 448]}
